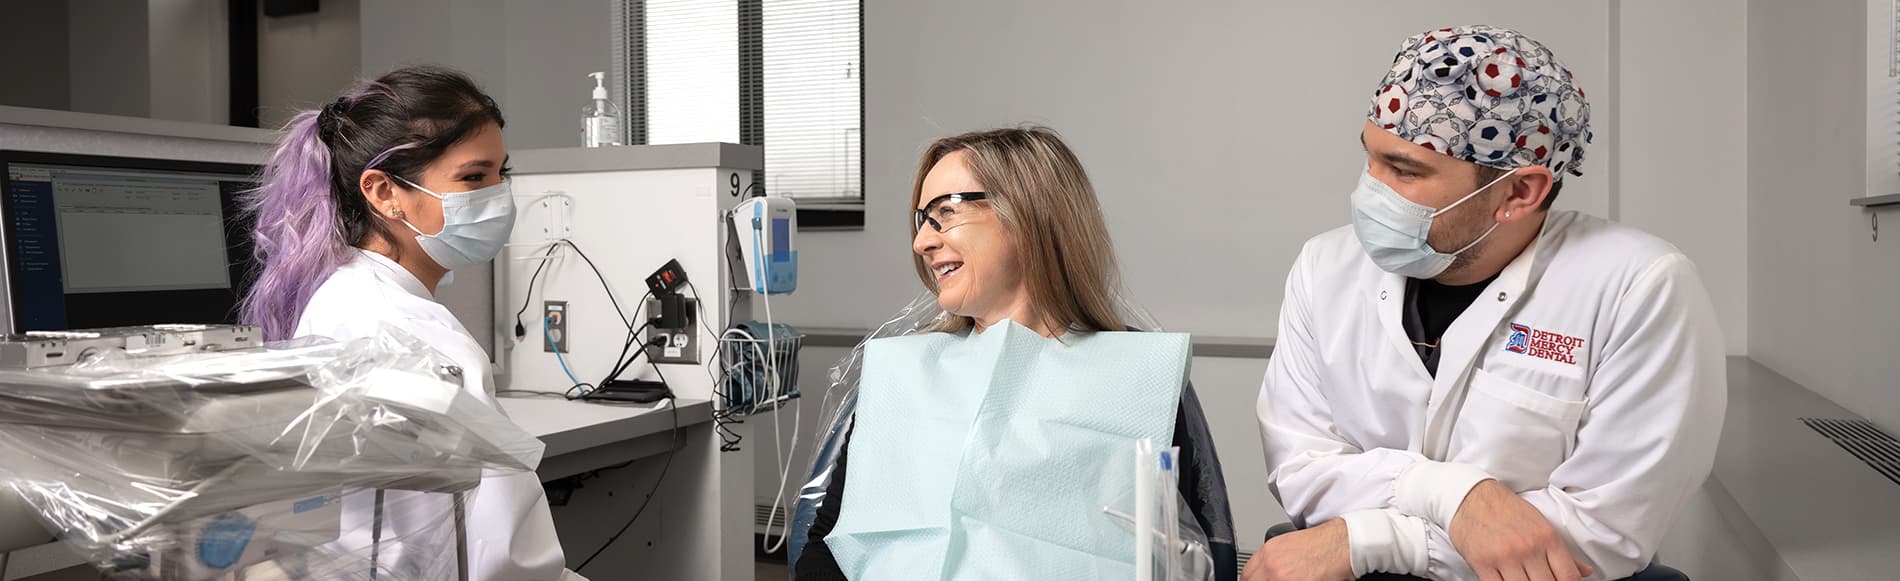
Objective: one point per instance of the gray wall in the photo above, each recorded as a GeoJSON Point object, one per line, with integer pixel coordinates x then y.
{"type": "Point", "coordinates": [1180, 112]}
{"type": "Point", "coordinates": [1219, 138]}
{"type": "Point", "coordinates": [533, 57]}
{"type": "Point", "coordinates": [465, 34]}
{"type": "Point", "coordinates": [306, 59]}
{"type": "Point", "coordinates": [162, 59]}
{"type": "Point", "coordinates": [34, 53]}
{"type": "Point", "coordinates": [109, 73]}
{"type": "Point", "coordinates": [1822, 292]}
{"type": "Point", "coordinates": [1682, 134]}
{"type": "Point", "coordinates": [190, 61]}
{"type": "Point", "coordinates": [553, 45]}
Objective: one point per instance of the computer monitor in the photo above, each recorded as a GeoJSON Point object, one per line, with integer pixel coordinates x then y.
{"type": "Point", "coordinates": [93, 241]}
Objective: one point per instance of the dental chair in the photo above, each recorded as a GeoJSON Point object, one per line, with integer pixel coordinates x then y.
{"type": "Point", "coordinates": [1203, 486]}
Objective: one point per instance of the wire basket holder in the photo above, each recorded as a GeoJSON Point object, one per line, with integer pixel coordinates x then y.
{"type": "Point", "coordinates": [761, 368]}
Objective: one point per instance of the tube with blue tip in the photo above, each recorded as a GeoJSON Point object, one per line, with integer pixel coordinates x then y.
{"type": "Point", "coordinates": [1170, 511]}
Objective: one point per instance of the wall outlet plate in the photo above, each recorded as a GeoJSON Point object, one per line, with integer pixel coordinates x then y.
{"type": "Point", "coordinates": [554, 315]}
{"type": "Point", "coordinates": [682, 344]}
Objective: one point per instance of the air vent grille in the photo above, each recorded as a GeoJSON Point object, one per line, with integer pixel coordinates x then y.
{"type": "Point", "coordinates": [1865, 441]}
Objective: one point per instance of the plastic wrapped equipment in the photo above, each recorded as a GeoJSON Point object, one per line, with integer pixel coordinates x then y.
{"type": "Point", "coordinates": [238, 464]}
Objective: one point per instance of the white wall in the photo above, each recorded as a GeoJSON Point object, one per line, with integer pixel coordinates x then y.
{"type": "Point", "coordinates": [1821, 290]}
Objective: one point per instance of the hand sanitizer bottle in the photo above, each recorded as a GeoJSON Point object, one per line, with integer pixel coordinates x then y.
{"type": "Point", "coordinates": [601, 118]}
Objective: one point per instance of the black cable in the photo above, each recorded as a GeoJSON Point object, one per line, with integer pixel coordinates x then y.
{"type": "Point", "coordinates": [702, 320]}
{"type": "Point", "coordinates": [528, 297]}
{"type": "Point", "coordinates": [656, 371]}
{"type": "Point", "coordinates": [719, 341]}
{"type": "Point", "coordinates": [623, 361]}
{"type": "Point", "coordinates": [723, 417]}
{"type": "Point", "coordinates": [584, 388]}
{"type": "Point", "coordinates": [603, 285]}
{"type": "Point", "coordinates": [624, 365]}
{"type": "Point", "coordinates": [671, 451]}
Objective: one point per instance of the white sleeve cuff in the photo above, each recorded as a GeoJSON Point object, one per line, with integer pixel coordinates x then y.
{"type": "Point", "coordinates": [1384, 541]}
{"type": "Point", "coordinates": [1434, 490]}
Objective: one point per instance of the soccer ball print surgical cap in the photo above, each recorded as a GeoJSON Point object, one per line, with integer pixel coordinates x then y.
{"type": "Point", "coordinates": [1486, 95]}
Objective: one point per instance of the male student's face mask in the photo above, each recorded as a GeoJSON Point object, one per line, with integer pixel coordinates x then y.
{"type": "Point", "coordinates": [475, 225]}
{"type": "Point", "coordinates": [1395, 230]}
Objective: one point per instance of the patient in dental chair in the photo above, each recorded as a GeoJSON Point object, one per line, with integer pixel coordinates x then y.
{"type": "Point", "coordinates": [987, 444]}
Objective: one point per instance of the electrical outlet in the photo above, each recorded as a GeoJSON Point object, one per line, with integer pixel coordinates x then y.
{"type": "Point", "coordinates": [554, 315]}
{"type": "Point", "coordinates": [682, 343]}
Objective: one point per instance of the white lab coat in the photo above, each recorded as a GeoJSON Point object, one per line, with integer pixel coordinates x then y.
{"type": "Point", "coordinates": [511, 534]}
{"type": "Point", "coordinates": [1588, 377]}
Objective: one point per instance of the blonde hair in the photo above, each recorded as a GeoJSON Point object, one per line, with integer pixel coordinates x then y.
{"type": "Point", "coordinates": [1043, 199]}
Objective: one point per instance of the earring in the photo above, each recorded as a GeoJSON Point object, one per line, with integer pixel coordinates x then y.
{"type": "Point", "coordinates": [396, 213]}
{"type": "Point", "coordinates": [1507, 213]}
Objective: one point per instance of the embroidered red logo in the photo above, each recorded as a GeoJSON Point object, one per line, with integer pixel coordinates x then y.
{"type": "Point", "coordinates": [1558, 347]}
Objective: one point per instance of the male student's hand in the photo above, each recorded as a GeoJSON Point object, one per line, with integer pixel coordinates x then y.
{"type": "Point", "coordinates": [1504, 538]}
{"type": "Point", "coordinates": [1320, 553]}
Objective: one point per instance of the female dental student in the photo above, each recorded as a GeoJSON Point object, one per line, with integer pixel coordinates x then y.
{"type": "Point", "coordinates": [364, 207]}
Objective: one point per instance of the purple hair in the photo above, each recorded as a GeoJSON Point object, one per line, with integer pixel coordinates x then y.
{"type": "Point", "coordinates": [299, 241]}
{"type": "Point", "coordinates": [309, 214]}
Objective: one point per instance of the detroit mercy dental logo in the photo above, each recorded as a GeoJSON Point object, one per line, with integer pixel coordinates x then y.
{"type": "Point", "coordinates": [1547, 345]}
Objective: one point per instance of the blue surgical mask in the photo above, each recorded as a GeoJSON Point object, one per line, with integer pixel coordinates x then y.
{"type": "Point", "coordinates": [475, 225]}
{"type": "Point", "coordinates": [1395, 230]}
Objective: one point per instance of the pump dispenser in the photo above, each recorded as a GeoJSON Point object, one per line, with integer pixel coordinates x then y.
{"type": "Point", "coordinates": [601, 118]}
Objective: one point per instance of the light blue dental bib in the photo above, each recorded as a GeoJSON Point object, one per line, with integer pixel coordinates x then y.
{"type": "Point", "coordinates": [990, 456]}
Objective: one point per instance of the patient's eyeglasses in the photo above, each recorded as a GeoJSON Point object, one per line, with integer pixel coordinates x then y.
{"type": "Point", "coordinates": [947, 211]}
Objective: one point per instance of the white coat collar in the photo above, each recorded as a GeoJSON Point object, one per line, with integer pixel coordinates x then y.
{"type": "Point", "coordinates": [395, 272]}
{"type": "Point", "coordinates": [1499, 298]}
{"type": "Point", "coordinates": [1513, 280]}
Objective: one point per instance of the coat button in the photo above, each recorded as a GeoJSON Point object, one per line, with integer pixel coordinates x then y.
{"type": "Point", "coordinates": [1382, 295]}
{"type": "Point", "coordinates": [1501, 297]}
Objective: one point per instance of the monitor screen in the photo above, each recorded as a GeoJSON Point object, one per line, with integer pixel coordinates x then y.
{"type": "Point", "coordinates": [104, 242]}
